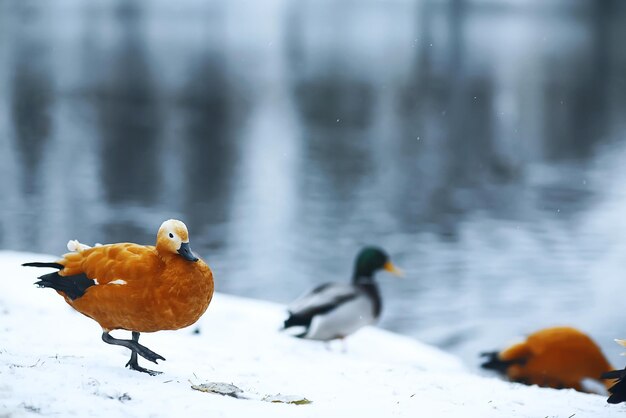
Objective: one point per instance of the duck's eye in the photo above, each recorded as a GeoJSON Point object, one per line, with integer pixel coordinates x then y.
{"type": "Point", "coordinates": [171, 235]}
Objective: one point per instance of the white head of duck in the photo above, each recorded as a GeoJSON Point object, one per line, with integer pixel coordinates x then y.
{"type": "Point", "coordinates": [173, 237]}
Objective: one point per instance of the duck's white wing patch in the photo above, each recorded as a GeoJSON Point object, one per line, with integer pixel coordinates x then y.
{"type": "Point", "coordinates": [343, 320]}
{"type": "Point", "coordinates": [321, 296]}
{"type": "Point", "coordinates": [117, 281]}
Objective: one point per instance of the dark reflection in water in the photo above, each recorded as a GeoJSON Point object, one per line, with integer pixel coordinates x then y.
{"type": "Point", "coordinates": [127, 106]}
{"type": "Point", "coordinates": [333, 98]}
{"type": "Point", "coordinates": [30, 102]}
{"type": "Point", "coordinates": [32, 95]}
{"type": "Point", "coordinates": [208, 140]}
{"type": "Point", "coordinates": [479, 142]}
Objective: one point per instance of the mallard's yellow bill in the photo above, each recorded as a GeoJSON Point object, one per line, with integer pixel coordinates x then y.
{"type": "Point", "coordinates": [393, 269]}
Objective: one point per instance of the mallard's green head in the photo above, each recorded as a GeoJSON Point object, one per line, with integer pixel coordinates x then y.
{"type": "Point", "coordinates": [372, 259]}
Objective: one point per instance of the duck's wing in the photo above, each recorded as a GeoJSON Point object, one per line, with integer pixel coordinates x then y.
{"type": "Point", "coordinates": [124, 263]}
{"type": "Point", "coordinates": [115, 264]}
{"type": "Point", "coordinates": [522, 352]}
{"type": "Point", "coordinates": [322, 299]}
{"type": "Point", "coordinates": [330, 311]}
{"type": "Point", "coordinates": [343, 320]}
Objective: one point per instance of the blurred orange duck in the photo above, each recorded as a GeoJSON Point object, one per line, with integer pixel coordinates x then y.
{"type": "Point", "coordinates": [559, 357]}
{"type": "Point", "coordinates": [134, 287]}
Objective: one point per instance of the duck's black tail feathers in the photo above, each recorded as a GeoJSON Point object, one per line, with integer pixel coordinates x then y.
{"type": "Point", "coordinates": [618, 390]}
{"type": "Point", "coordinates": [73, 286]}
{"type": "Point", "coordinates": [52, 265]}
{"type": "Point", "coordinates": [614, 374]}
{"type": "Point", "coordinates": [493, 362]}
{"type": "Point", "coordinates": [296, 320]}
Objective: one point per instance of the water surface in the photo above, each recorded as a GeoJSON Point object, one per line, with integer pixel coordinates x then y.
{"type": "Point", "coordinates": [480, 143]}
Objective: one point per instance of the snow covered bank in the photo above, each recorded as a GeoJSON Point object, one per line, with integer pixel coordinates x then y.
{"type": "Point", "coordinates": [52, 362]}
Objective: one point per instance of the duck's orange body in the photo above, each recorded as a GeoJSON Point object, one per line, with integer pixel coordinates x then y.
{"type": "Point", "coordinates": [138, 288]}
{"type": "Point", "coordinates": [559, 357]}
{"type": "Point", "coordinates": [134, 287]}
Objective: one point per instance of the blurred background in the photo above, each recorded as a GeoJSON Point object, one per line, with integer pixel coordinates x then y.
{"type": "Point", "coordinates": [480, 142]}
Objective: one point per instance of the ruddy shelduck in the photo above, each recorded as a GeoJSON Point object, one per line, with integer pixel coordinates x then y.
{"type": "Point", "coordinates": [558, 357]}
{"type": "Point", "coordinates": [135, 287]}
{"type": "Point", "coordinates": [618, 388]}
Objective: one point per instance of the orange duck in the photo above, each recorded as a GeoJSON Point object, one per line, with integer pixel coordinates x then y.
{"type": "Point", "coordinates": [134, 287]}
{"type": "Point", "coordinates": [559, 357]}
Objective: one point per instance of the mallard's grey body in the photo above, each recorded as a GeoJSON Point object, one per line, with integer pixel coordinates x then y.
{"type": "Point", "coordinates": [336, 310]}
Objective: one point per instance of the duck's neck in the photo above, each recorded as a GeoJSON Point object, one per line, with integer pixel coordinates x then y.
{"type": "Point", "coordinates": [367, 284]}
{"type": "Point", "coordinates": [363, 279]}
{"type": "Point", "coordinates": [166, 255]}
{"type": "Point", "coordinates": [172, 259]}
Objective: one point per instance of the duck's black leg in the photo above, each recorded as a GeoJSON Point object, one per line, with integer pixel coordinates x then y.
{"type": "Point", "coordinates": [134, 365]}
{"type": "Point", "coordinates": [135, 348]}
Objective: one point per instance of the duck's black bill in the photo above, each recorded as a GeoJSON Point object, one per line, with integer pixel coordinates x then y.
{"type": "Point", "coordinates": [185, 252]}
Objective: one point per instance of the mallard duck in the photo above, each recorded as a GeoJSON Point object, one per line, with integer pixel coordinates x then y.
{"type": "Point", "coordinates": [336, 310]}
{"type": "Point", "coordinates": [134, 287]}
{"type": "Point", "coordinates": [617, 381]}
{"type": "Point", "coordinates": [559, 357]}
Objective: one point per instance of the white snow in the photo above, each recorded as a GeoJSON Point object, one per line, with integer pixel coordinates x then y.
{"type": "Point", "coordinates": [52, 362]}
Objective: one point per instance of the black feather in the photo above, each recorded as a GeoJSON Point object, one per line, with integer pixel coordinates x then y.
{"type": "Point", "coordinates": [618, 390]}
{"type": "Point", "coordinates": [305, 318]}
{"type": "Point", "coordinates": [73, 286]}
{"type": "Point", "coordinates": [614, 374]}
{"type": "Point", "coordinates": [37, 264]}
{"type": "Point", "coordinates": [295, 320]}
{"type": "Point", "coordinates": [493, 362]}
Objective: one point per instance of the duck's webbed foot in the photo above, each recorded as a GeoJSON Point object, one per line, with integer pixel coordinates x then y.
{"type": "Point", "coordinates": [133, 365]}
{"type": "Point", "coordinates": [135, 348]}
